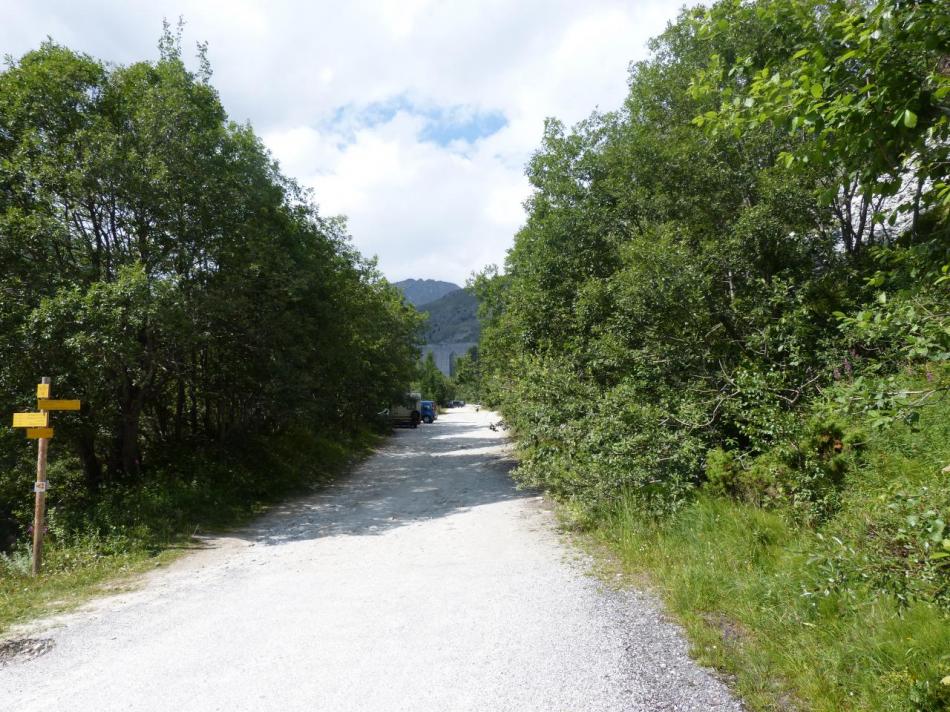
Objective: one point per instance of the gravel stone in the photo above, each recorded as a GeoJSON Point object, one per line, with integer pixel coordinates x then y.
{"type": "Point", "coordinates": [425, 580]}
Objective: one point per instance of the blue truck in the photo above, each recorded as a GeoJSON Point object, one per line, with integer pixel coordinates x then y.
{"type": "Point", "coordinates": [427, 410]}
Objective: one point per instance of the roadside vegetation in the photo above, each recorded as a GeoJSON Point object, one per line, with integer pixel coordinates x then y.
{"type": "Point", "coordinates": [721, 337]}
{"type": "Point", "coordinates": [229, 344]}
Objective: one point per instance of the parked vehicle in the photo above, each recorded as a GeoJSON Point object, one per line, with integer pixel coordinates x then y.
{"type": "Point", "coordinates": [408, 413]}
{"type": "Point", "coordinates": [427, 409]}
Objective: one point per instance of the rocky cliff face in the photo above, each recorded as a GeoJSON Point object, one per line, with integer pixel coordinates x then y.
{"type": "Point", "coordinates": [453, 326]}
{"type": "Point", "coordinates": [452, 319]}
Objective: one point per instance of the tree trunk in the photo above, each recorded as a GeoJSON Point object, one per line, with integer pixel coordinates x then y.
{"type": "Point", "coordinates": [206, 396]}
{"type": "Point", "coordinates": [92, 468]}
{"type": "Point", "coordinates": [161, 419]}
{"type": "Point", "coordinates": [131, 456]}
{"type": "Point", "coordinates": [194, 394]}
{"type": "Point", "coordinates": [180, 409]}
{"type": "Point", "coordinates": [125, 459]}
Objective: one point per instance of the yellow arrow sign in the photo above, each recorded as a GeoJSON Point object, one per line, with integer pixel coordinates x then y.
{"type": "Point", "coordinates": [47, 404]}
{"type": "Point", "coordinates": [30, 420]}
{"type": "Point", "coordinates": [37, 433]}
{"type": "Point", "coordinates": [42, 390]}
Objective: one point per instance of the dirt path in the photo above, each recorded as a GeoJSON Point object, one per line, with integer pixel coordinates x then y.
{"type": "Point", "coordinates": [424, 581]}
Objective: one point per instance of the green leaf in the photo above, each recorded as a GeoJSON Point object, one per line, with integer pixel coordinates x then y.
{"type": "Point", "coordinates": [817, 90]}
{"type": "Point", "coordinates": [910, 118]}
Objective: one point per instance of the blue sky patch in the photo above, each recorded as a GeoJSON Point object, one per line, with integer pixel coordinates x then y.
{"type": "Point", "coordinates": [443, 125]}
{"type": "Point", "coordinates": [468, 126]}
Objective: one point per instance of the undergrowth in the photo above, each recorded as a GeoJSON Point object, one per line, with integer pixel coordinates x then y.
{"type": "Point", "coordinates": [847, 612]}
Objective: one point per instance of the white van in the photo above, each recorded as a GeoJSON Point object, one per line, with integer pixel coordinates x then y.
{"type": "Point", "coordinates": [408, 413]}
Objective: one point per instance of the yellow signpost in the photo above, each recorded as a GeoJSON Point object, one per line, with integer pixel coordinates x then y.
{"type": "Point", "coordinates": [49, 404]}
{"type": "Point", "coordinates": [31, 420]}
{"type": "Point", "coordinates": [38, 428]}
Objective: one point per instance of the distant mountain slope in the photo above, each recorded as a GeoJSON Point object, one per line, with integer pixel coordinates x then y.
{"type": "Point", "coordinates": [452, 319]}
{"type": "Point", "coordinates": [423, 291]}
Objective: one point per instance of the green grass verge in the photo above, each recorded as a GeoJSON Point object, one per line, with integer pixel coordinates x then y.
{"type": "Point", "coordinates": [741, 581]}
{"type": "Point", "coordinates": [99, 546]}
{"type": "Point", "coordinates": [851, 614]}
{"type": "Point", "coordinates": [74, 575]}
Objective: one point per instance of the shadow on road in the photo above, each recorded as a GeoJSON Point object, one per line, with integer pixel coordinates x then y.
{"type": "Point", "coordinates": [430, 472]}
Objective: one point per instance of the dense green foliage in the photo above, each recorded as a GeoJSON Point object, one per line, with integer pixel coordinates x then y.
{"type": "Point", "coordinates": [432, 383]}
{"type": "Point", "coordinates": [156, 264]}
{"type": "Point", "coordinates": [679, 289]}
{"type": "Point", "coordinates": [727, 287]}
{"type": "Point", "coordinates": [467, 382]}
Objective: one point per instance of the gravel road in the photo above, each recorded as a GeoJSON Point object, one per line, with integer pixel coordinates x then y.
{"type": "Point", "coordinates": [423, 581]}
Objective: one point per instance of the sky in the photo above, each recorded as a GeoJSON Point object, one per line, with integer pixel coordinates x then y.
{"type": "Point", "coordinates": [413, 118]}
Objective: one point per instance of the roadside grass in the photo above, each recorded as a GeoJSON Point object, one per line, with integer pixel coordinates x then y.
{"type": "Point", "coordinates": [72, 576]}
{"type": "Point", "coordinates": [739, 580]}
{"type": "Point", "coordinates": [100, 547]}
{"type": "Point", "coordinates": [851, 614]}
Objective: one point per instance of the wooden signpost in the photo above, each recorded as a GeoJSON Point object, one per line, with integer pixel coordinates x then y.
{"type": "Point", "coordinates": [37, 426]}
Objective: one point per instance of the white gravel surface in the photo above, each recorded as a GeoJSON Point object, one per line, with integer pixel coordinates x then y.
{"type": "Point", "coordinates": [423, 581]}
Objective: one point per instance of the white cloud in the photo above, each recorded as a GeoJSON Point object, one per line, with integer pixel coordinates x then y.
{"type": "Point", "coordinates": [304, 74]}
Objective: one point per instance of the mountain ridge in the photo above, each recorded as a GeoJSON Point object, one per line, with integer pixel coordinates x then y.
{"type": "Point", "coordinates": [452, 310]}
{"type": "Point", "coordinates": [419, 292]}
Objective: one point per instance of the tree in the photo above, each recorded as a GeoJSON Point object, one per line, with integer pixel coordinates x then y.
{"type": "Point", "coordinates": [865, 85]}
{"type": "Point", "coordinates": [156, 262]}
{"type": "Point", "coordinates": [432, 382]}
{"type": "Point", "coordinates": [468, 376]}
{"type": "Point", "coordinates": [678, 284]}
